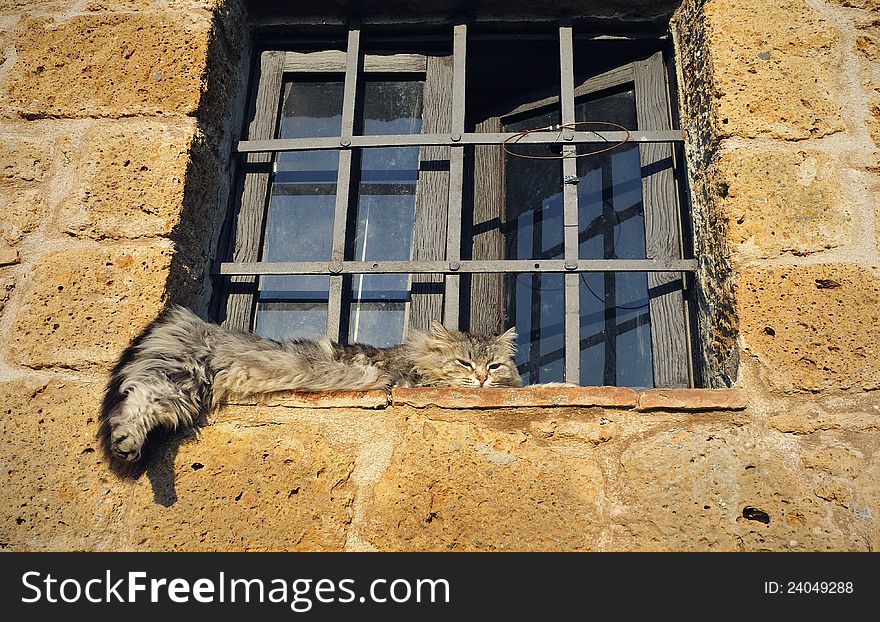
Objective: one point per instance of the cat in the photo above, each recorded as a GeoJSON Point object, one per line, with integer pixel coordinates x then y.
{"type": "Point", "coordinates": [182, 366]}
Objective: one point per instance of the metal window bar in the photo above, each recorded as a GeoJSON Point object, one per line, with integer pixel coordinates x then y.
{"type": "Point", "coordinates": [572, 329]}
{"type": "Point", "coordinates": [455, 139]}
{"type": "Point", "coordinates": [343, 185]}
{"type": "Point", "coordinates": [452, 290]}
{"type": "Point", "coordinates": [456, 267]}
{"type": "Point", "coordinates": [453, 266]}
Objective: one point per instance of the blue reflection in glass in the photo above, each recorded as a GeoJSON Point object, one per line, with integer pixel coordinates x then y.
{"type": "Point", "coordinates": [385, 212]}
{"type": "Point", "coordinates": [615, 319]}
{"type": "Point", "coordinates": [299, 217]}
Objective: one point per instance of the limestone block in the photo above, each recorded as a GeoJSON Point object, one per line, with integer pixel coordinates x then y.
{"type": "Point", "coordinates": [873, 119]}
{"type": "Point", "coordinates": [813, 327]}
{"type": "Point", "coordinates": [24, 160]}
{"type": "Point", "coordinates": [130, 180]}
{"type": "Point", "coordinates": [835, 460]}
{"type": "Point", "coordinates": [867, 5]}
{"type": "Point", "coordinates": [140, 5]}
{"type": "Point", "coordinates": [23, 211]}
{"type": "Point", "coordinates": [29, 7]}
{"type": "Point", "coordinates": [808, 418]}
{"type": "Point", "coordinates": [118, 5]}
{"type": "Point", "coordinates": [458, 486]}
{"type": "Point", "coordinates": [5, 43]}
{"type": "Point", "coordinates": [241, 488]}
{"type": "Point", "coordinates": [56, 492]}
{"type": "Point", "coordinates": [109, 65]}
{"type": "Point", "coordinates": [868, 41]}
{"type": "Point", "coordinates": [82, 306]}
{"type": "Point", "coordinates": [775, 68]}
{"type": "Point", "coordinates": [866, 499]}
{"type": "Point", "coordinates": [720, 488]}
{"type": "Point", "coordinates": [782, 199]}
{"type": "Point", "coordinates": [7, 285]}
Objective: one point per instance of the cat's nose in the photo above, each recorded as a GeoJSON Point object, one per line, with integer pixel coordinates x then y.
{"type": "Point", "coordinates": [482, 378]}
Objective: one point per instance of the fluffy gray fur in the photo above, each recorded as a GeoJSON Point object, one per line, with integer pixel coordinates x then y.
{"type": "Point", "coordinates": [182, 366]}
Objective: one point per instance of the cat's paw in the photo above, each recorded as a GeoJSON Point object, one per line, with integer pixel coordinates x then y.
{"type": "Point", "coordinates": [126, 443]}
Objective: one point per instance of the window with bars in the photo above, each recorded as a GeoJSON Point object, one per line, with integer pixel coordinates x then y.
{"type": "Point", "coordinates": [476, 176]}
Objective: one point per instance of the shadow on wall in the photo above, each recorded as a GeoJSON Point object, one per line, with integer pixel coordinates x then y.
{"type": "Point", "coordinates": [161, 446]}
{"type": "Point", "coordinates": [206, 194]}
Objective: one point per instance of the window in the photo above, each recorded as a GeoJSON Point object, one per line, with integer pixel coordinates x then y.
{"type": "Point", "coordinates": [469, 174]}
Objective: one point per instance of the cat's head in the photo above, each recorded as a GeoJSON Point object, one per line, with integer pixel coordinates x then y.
{"type": "Point", "coordinates": [448, 358]}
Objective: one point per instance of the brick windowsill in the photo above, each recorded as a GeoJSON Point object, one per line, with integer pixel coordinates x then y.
{"type": "Point", "coordinates": [533, 396]}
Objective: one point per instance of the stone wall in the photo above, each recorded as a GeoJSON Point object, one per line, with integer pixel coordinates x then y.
{"type": "Point", "coordinates": [116, 120]}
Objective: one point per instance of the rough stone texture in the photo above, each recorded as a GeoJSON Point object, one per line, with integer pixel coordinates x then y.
{"type": "Point", "coordinates": [717, 332]}
{"type": "Point", "coordinates": [814, 327]}
{"type": "Point", "coordinates": [35, 6]}
{"type": "Point", "coordinates": [23, 211]}
{"type": "Point", "coordinates": [440, 9]}
{"type": "Point", "coordinates": [867, 45]}
{"type": "Point", "coordinates": [9, 256]}
{"type": "Point", "coordinates": [109, 65]}
{"type": "Point", "coordinates": [243, 488]}
{"type": "Point", "coordinates": [82, 306]}
{"type": "Point", "coordinates": [461, 486]}
{"type": "Point", "coordinates": [421, 397]}
{"type": "Point", "coordinates": [701, 503]}
{"type": "Point", "coordinates": [775, 68]}
{"type": "Point", "coordinates": [143, 5]}
{"type": "Point", "coordinates": [805, 418]}
{"type": "Point", "coordinates": [867, 5]}
{"type": "Point", "coordinates": [131, 180]}
{"type": "Point", "coordinates": [55, 492]}
{"type": "Point", "coordinates": [874, 120]}
{"type": "Point", "coordinates": [7, 286]}
{"type": "Point", "coordinates": [868, 42]}
{"type": "Point", "coordinates": [797, 207]}
{"type": "Point", "coordinates": [24, 160]}
{"type": "Point", "coordinates": [329, 399]}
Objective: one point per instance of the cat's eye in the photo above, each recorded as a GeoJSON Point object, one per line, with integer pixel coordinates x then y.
{"type": "Point", "coordinates": [493, 366]}
{"type": "Point", "coordinates": [465, 363]}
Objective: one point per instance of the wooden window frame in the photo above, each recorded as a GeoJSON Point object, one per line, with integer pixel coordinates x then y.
{"type": "Point", "coordinates": [437, 245]}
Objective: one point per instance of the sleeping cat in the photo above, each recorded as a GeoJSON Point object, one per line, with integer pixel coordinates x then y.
{"type": "Point", "coordinates": [182, 366]}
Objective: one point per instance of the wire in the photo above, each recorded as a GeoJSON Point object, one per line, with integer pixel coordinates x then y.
{"type": "Point", "coordinates": [559, 127]}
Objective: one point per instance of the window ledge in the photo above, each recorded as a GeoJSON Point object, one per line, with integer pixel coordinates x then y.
{"type": "Point", "coordinates": [327, 399]}
{"type": "Point", "coordinates": [694, 400]}
{"type": "Point", "coordinates": [420, 397]}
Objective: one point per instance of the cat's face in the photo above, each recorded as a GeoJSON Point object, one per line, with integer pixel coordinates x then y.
{"type": "Point", "coordinates": [451, 358]}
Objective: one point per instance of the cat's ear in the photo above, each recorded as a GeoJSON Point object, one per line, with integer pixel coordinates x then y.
{"type": "Point", "coordinates": [438, 331]}
{"type": "Point", "coordinates": [508, 336]}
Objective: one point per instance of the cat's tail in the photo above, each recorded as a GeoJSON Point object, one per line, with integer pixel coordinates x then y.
{"type": "Point", "coordinates": [162, 380]}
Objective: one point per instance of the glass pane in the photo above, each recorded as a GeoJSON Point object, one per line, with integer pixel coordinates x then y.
{"type": "Point", "coordinates": [383, 230]}
{"type": "Point", "coordinates": [392, 107]}
{"type": "Point", "coordinates": [615, 318]}
{"type": "Point", "coordinates": [299, 217]}
{"type": "Point", "coordinates": [615, 328]}
{"type": "Point", "coordinates": [533, 216]}
{"type": "Point", "coordinates": [385, 216]}
{"type": "Point", "coordinates": [292, 320]}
